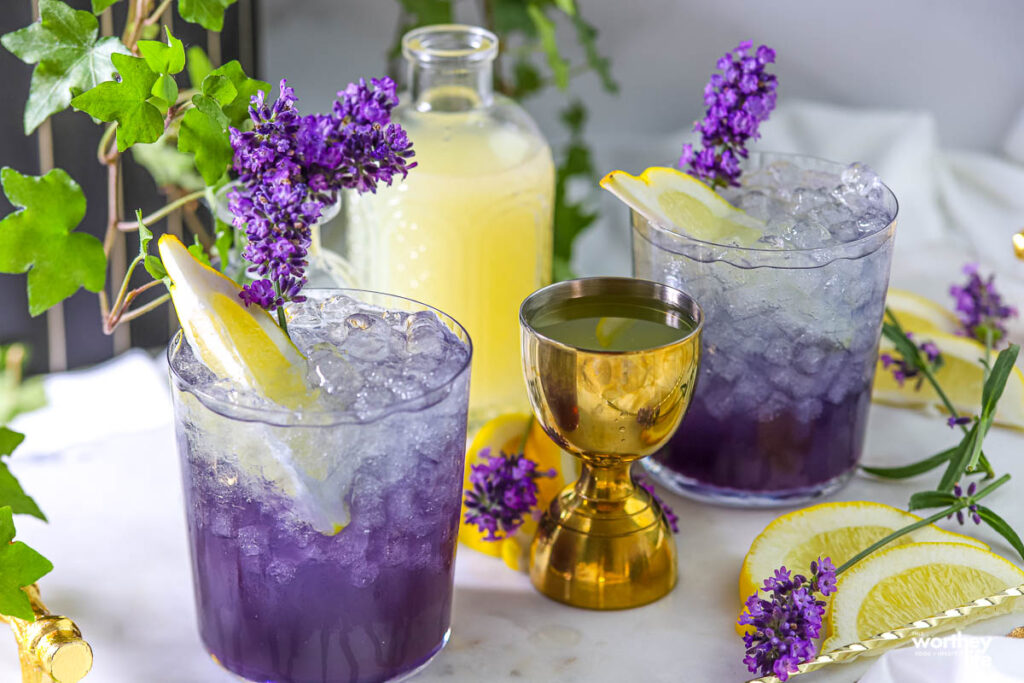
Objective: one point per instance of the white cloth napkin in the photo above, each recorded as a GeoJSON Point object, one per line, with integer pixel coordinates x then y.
{"type": "Point", "coordinates": [959, 658]}
{"type": "Point", "coordinates": [125, 395]}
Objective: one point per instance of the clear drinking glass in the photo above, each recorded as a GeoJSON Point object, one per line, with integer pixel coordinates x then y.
{"type": "Point", "coordinates": [470, 228]}
{"type": "Point", "coordinates": [323, 539]}
{"type": "Point", "coordinates": [790, 347]}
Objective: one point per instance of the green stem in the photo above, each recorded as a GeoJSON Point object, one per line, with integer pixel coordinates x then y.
{"type": "Point", "coordinates": [282, 322]}
{"type": "Point", "coordinates": [128, 226]}
{"type": "Point", "coordinates": [961, 503]}
{"type": "Point", "coordinates": [927, 372]}
{"type": "Point", "coordinates": [101, 151]}
{"type": "Point", "coordinates": [135, 313]}
{"type": "Point", "coordinates": [155, 16]}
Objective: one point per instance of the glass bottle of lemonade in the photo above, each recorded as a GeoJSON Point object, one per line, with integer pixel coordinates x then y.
{"type": "Point", "coordinates": [469, 230]}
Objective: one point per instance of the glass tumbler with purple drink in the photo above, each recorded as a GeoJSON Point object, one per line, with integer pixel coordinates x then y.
{"type": "Point", "coordinates": [793, 323]}
{"type": "Point", "coordinates": [323, 537]}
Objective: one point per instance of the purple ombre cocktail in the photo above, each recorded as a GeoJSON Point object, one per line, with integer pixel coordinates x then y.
{"type": "Point", "coordinates": [793, 319]}
{"type": "Point", "coordinates": [323, 538]}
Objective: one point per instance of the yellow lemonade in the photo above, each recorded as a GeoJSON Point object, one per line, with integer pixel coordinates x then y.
{"type": "Point", "coordinates": [468, 231]}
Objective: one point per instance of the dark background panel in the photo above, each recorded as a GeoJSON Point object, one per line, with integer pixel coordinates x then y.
{"type": "Point", "coordinates": [75, 138]}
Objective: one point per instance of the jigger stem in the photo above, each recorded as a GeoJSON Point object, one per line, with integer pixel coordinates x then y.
{"type": "Point", "coordinates": [609, 484]}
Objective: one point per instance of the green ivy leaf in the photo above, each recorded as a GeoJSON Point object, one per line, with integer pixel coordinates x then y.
{"type": "Point", "coordinates": [237, 110]}
{"type": "Point", "coordinates": [586, 34]}
{"type": "Point", "coordinates": [39, 238]}
{"type": "Point", "coordinates": [527, 79]}
{"type": "Point", "coordinates": [128, 103]}
{"type": "Point", "coordinates": [199, 66]}
{"type": "Point", "coordinates": [164, 58]}
{"type": "Point", "coordinates": [145, 235]}
{"type": "Point", "coordinates": [9, 440]}
{"type": "Point", "coordinates": [549, 42]}
{"type": "Point", "coordinates": [11, 493]}
{"type": "Point", "coordinates": [204, 133]}
{"type": "Point", "coordinates": [220, 89]}
{"type": "Point", "coordinates": [225, 237]}
{"type": "Point", "coordinates": [69, 56]}
{"type": "Point", "coordinates": [197, 251]}
{"type": "Point", "coordinates": [20, 566]}
{"type": "Point", "coordinates": [428, 11]}
{"type": "Point", "coordinates": [165, 89]}
{"type": "Point", "coordinates": [207, 13]}
{"type": "Point", "coordinates": [570, 218]}
{"type": "Point", "coordinates": [511, 16]}
{"type": "Point", "coordinates": [100, 5]}
{"type": "Point", "coordinates": [155, 267]}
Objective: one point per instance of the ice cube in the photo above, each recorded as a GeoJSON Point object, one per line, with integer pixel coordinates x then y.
{"type": "Point", "coordinates": [222, 524]}
{"type": "Point", "coordinates": [363, 574]}
{"type": "Point", "coordinates": [281, 571]}
{"type": "Point", "coordinates": [252, 540]}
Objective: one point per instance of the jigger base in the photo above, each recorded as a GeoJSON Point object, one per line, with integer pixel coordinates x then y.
{"type": "Point", "coordinates": [603, 556]}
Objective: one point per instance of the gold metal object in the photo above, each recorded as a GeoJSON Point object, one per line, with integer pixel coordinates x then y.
{"type": "Point", "coordinates": [51, 648]}
{"type": "Point", "coordinates": [604, 542]}
{"type": "Point", "coordinates": [994, 605]}
{"type": "Point", "coordinates": [1018, 244]}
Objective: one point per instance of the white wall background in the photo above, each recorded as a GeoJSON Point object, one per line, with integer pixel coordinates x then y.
{"type": "Point", "coordinates": [954, 69]}
{"type": "Point", "coordinates": [962, 60]}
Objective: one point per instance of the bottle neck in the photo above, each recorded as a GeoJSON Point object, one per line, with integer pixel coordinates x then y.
{"type": "Point", "coordinates": [462, 86]}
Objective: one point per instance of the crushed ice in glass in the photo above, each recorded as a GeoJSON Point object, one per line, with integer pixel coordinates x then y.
{"type": "Point", "coordinates": [360, 358]}
{"type": "Point", "coordinates": [809, 209]}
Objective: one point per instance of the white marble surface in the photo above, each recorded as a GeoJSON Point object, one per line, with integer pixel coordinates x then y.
{"type": "Point", "coordinates": [117, 538]}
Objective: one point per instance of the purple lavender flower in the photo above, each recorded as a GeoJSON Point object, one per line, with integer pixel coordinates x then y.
{"type": "Point", "coordinates": [903, 368]}
{"type": "Point", "coordinates": [786, 625]}
{"type": "Point", "coordinates": [972, 509]}
{"type": "Point", "coordinates": [670, 515]}
{"type": "Point", "coordinates": [980, 307]}
{"type": "Point", "coordinates": [956, 421]}
{"type": "Point", "coordinates": [738, 100]}
{"type": "Point", "coordinates": [290, 167]}
{"type": "Point", "coordinates": [504, 491]}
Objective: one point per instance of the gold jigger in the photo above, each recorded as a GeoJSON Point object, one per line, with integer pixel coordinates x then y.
{"type": "Point", "coordinates": [604, 543]}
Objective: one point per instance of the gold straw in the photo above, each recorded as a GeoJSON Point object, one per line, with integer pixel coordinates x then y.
{"type": "Point", "coordinates": [979, 609]}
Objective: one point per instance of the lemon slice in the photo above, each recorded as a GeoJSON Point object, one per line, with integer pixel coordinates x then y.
{"type": "Point", "coordinates": [235, 341]}
{"type": "Point", "coordinates": [671, 198]}
{"type": "Point", "coordinates": [511, 433]}
{"type": "Point", "coordinates": [960, 377]}
{"type": "Point", "coordinates": [610, 329]}
{"type": "Point", "coordinates": [835, 530]}
{"type": "Point", "coordinates": [919, 315]}
{"type": "Point", "coordinates": [910, 582]}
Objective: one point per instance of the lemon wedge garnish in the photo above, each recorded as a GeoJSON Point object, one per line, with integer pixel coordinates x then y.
{"type": "Point", "coordinates": [512, 433]}
{"type": "Point", "coordinates": [960, 376]}
{"type": "Point", "coordinates": [235, 341]}
{"type": "Point", "coordinates": [920, 315]}
{"type": "Point", "coordinates": [909, 582]}
{"type": "Point", "coordinates": [671, 198]}
{"type": "Point", "coordinates": [836, 530]}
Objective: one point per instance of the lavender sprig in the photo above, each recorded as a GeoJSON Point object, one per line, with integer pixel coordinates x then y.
{"type": "Point", "coordinates": [290, 167]}
{"type": "Point", "coordinates": [738, 100]}
{"type": "Point", "coordinates": [980, 307]}
{"type": "Point", "coordinates": [504, 492]}
{"type": "Point", "coordinates": [908, 366]}
{"type": "Point", "coordinates": [786, 625]}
